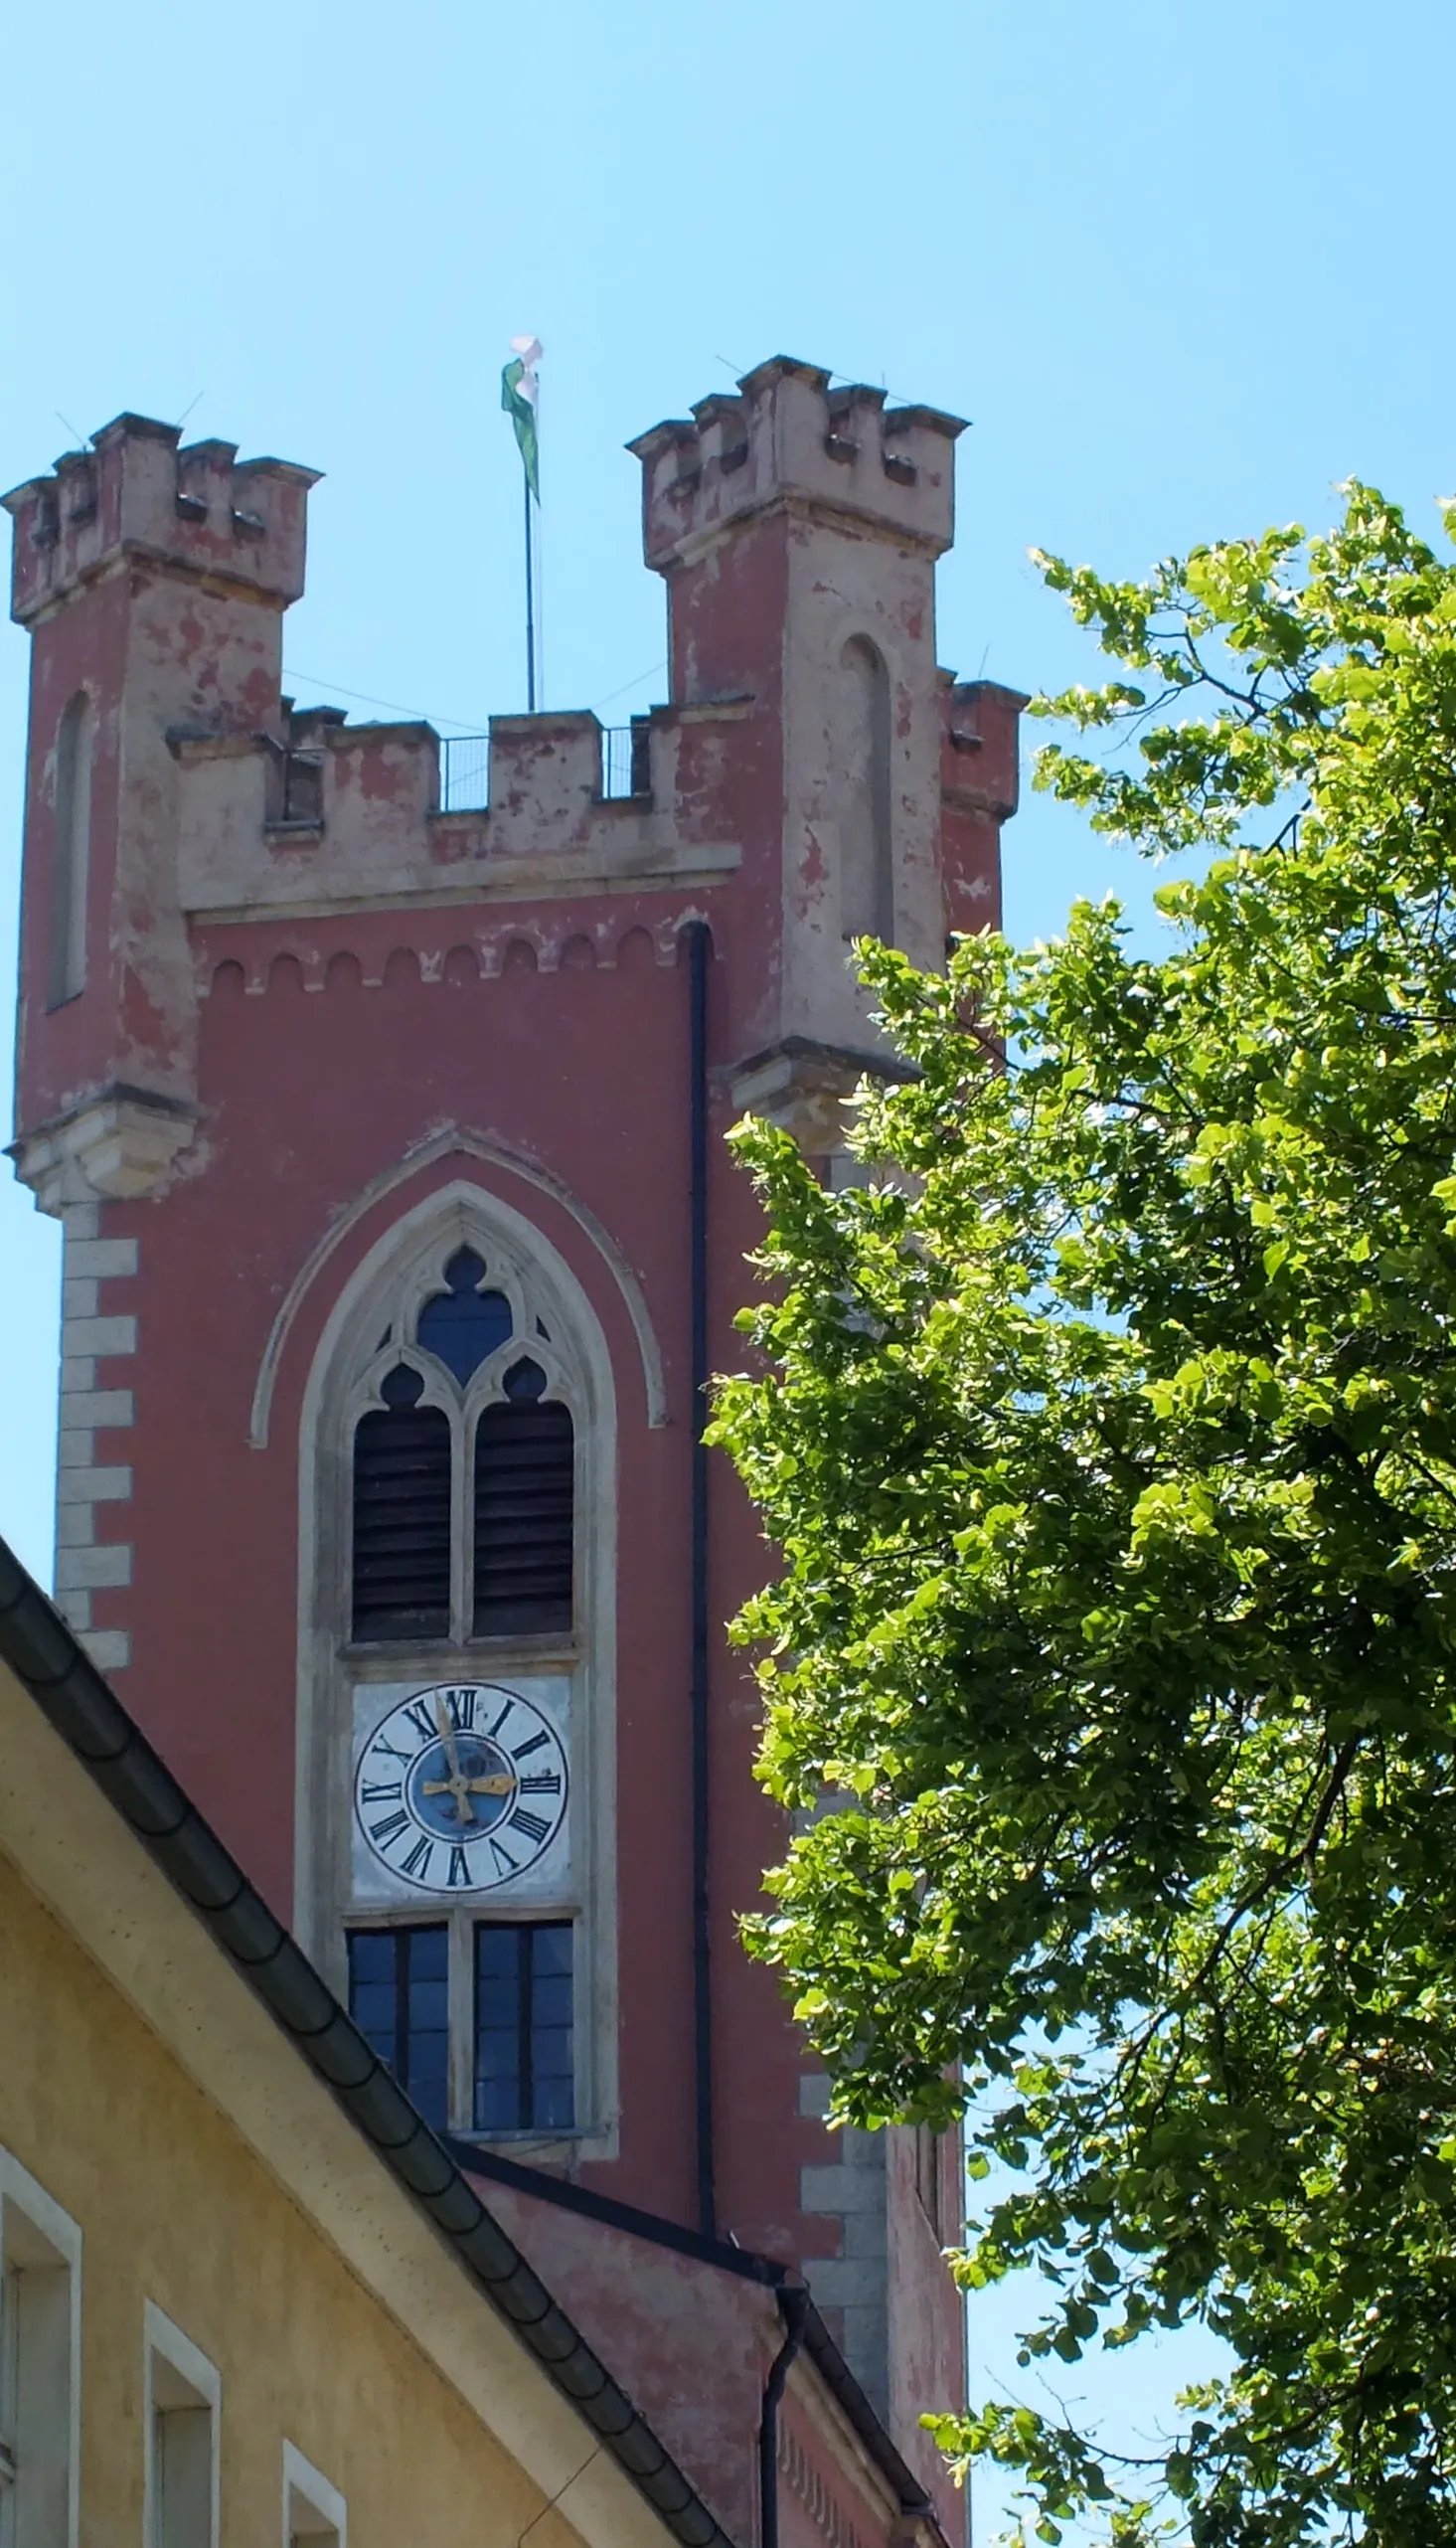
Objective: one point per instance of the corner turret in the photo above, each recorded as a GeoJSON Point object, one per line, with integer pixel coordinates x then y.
{"type": "Point", "coordinates": [136, 494]}
{"type": "Point", "coordinates": [789, 439]}
{"type": "Point", "coordinates": [153, 578]}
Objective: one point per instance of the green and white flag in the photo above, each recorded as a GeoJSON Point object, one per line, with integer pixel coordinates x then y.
{"type": "Point", "coordinates": [520, 397]}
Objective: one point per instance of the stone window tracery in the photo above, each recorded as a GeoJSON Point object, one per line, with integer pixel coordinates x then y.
{"type": "Point", "coordinates": [466, 1412]}
{"type": "Point", "coordinates": [458, 1645]}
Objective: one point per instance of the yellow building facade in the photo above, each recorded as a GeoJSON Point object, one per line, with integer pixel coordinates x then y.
{"type": "Point", "coordinates": [224, 2318]}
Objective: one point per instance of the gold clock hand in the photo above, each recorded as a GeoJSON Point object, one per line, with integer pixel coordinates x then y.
{"type": "Point", "coordinates": [499, 1786]}
{"type": "Point", "coordinates": [455, 1785]}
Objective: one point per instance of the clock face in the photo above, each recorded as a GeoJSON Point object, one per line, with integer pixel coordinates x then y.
{"type": "Point", "coordinates": [461, 1787]}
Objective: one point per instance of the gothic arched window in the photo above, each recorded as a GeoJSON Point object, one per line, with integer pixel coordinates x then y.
{"type": "Point", "coordinates": [459, 1450]}
{"type": "Point", "coordinates": [463, 1470]}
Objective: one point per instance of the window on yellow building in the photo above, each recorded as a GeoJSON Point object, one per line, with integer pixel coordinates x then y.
{"type": "Point", "coordinates": [315, 2514]}
{"type": "Point", "coordinates": [40, 2351]}
{"type": "Point", "coordinates": [183, 2410]}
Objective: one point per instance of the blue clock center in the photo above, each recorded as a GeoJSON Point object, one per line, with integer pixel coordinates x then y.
{"type": "Point", "coordinates": [464, 1797]}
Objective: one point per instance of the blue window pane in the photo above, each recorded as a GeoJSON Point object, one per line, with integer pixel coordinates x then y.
{"type": "Point", "coordinates": [428, 2006]}
{"type": "Point", "coordinates": [552, 2047]}
{"type": "Point", "coordinates": [428, 1953]}
{"type": "Point", "coordinates": [497, 1954]}
{"type": "Point", "coordinates": [428, 2081]}
{"type": "Point", "coordinates": [523, 2023]}
{"type": "Point", "coordinates": [373, 2006]}
{"type": "Point", "coordinates": [498, 1968]}
{"type": "Point", "coordinates": [397, 1998]}
{"type": "Point", "coordinates": [554, 2107]}
{"type": "Point", "coordinates": [550, 2003]}
{"type": "Point", "coordinates": [463, 1324]}
{"type": "Point", "coordinates": [372, 1992]}
{"type": "Point", "coordinates": [497, 2106]}
{"type": "Point", "coordinates": [549, 2019]}
{"type": "Point", "coordinates": [552, 2078]}
{"type": "Point", "coordinates": [371, 1956]}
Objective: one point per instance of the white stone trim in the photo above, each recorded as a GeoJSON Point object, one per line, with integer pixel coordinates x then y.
{"type": "Point", "coordinates": [90, 1330]}
{"type": "Point", "coordinates": [93, 1568]}
{"type": "Point", "coordinates": [98, 1258]}
{"type": "Point", "coordinates": [853, 2190]}
{"type": "Point", "coordinates": [312, 2508]}
{"type": "Point", "coordinates": [177, 2375]}
{"type": "Point", "coordinates": [81, 1486]}
{"type": "Point", "coordinates": [109, 1648]}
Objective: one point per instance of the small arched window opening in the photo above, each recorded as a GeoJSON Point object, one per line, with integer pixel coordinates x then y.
{"type": "Point", "coordinates": [464, 1469]}
{"type": "Point", "coordinates": [525, 1460]}
{"type": "Point", "coordinates": [402, 1479]}
{"type": "Point", "coordinates": [71, 859]}
{"type": "Point", "coordinates": [867, 882]}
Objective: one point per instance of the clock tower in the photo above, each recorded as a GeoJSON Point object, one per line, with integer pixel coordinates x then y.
{"type": "Point", "coordinates": [379, 1087]}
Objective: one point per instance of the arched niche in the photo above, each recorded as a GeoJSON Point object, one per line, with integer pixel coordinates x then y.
{"type": "Point", "coordinates": [867, 877]}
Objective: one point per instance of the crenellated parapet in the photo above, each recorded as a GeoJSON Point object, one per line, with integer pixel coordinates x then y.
{"type": "Point", "coordinates": [789, 439]}
{"type": "Point", "coordinates": [809, 780]}
{"type": "Point", "coordinates": [350, 816]}
{"type": "Point", "coordinates": [137, 492]}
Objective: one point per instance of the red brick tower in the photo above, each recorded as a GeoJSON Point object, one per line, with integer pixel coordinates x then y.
{"type": "Point", "coordinates": [398, 1236]}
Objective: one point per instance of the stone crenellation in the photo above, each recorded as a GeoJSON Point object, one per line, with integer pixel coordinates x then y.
{"type": "Point", "coordinates": [788, 438]}
{"type": "Point", "coordinates": [138, 492]}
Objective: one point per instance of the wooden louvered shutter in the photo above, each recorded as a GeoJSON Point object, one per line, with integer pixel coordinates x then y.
{"type": "Point", "coordinates": [524, 1463]}
{"type": "Point", "coordinates": [401, 1517]}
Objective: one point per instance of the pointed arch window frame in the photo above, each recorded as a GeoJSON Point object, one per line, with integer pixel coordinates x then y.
{"type": "Point", "coordinates": [385, 1287]}
{"type": "Point", "coordinates": [463, 1403]}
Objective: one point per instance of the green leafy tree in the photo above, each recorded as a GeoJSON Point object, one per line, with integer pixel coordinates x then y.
{"type": "Point", "coordinates": [1109, 1441]}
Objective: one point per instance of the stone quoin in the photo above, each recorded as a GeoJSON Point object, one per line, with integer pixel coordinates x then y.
{"type": "Point", "coordinates": [400, 1234]}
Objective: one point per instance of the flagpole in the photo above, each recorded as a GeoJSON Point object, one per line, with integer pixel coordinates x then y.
{"type": "Point", "coordinates": [519, 396]}
{"type": "Point", "coordinates": [530, 607]}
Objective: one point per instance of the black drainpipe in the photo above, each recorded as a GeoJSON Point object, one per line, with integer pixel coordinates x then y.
{"type": "Point", "coordinates": [793, 2301]}
{"type": "Point", "coordinates": [699, 949]}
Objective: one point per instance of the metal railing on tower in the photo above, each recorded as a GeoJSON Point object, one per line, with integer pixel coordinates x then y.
{"type": "Point", "coordinates": [465, 768]}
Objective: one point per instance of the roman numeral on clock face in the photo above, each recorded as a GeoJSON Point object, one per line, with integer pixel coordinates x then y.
{"type": "Point", "coordinates": [510, 1776]}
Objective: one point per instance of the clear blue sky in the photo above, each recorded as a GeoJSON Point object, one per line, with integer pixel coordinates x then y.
{"type": "Point", "coordinates": [1182, 267]}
